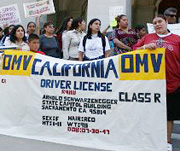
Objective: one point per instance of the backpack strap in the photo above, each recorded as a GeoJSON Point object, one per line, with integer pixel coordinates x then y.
{"type": "Point", "coordinates": [103, 44]}
{"type": "Point", "coordinates": [84, 43]}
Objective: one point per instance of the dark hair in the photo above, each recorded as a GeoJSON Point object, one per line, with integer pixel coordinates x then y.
{"type": "Point", "coordinates": [31, 22]}
{"type": "Point", "coordinates": [33, 37]}
{"type": "Point", "coordinates": [64, 25]}
{"type": "Point", "coordinates": [1, 29]}
{"type": "Point", "coordinates": [76, 22]}
{"type": "Point", "coordinates": [118, 18]}
{"type": "Point", "coordinates": [139, 27]}
{"type": "Point", "coordinates": [13, 38]}
{"type": "Point", "coordinates": [89, 32]}
{"type": "Point", "coordinates": [170, 10]}
{"type": "Point", "coordinates": [161, 16]}
{"type": "Point", "coordinates": [6, 30]}
{"type": "Point", "coordinates": [45, 25]}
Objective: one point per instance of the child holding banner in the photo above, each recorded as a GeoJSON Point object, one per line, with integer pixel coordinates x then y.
{"type": "Point", "coordinates": [171, 42]}
{"type": "Point", "coordinates": [34, 44]}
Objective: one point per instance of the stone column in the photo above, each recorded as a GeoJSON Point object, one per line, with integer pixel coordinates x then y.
{"type": "Point", "coordinates": [143, 11]}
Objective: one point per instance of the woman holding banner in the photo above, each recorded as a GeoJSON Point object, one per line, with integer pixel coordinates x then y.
{"type": "Point", "coordinates": [124, 37]}
{"type": "Point", "coordinates": [171, 42]}
{"type": "Point", "coordinates": [17, 39]}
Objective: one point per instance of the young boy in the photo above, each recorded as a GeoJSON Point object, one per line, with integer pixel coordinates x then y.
{"type": "Point", "coordinates": [34, 43]}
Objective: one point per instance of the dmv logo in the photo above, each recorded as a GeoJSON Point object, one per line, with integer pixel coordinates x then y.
{"type": "Point", "coordinates": [16, 63]}
{"type": "Point", "coordinates": [142, 65]}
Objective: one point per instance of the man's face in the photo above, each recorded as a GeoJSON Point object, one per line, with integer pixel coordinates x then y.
{"type": "Point", "coordinates": [171, 17]}
{"type": "Point", "coordinates": [34, 45]}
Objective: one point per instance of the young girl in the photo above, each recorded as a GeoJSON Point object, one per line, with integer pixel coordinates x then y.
{"type": "Point", "coordinates": [94, 45]}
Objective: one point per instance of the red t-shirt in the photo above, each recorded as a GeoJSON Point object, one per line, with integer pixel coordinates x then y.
{"type": "Point", "coordinates": [40, 52]}
{"type": "Point", "coordinates": [172, 55]}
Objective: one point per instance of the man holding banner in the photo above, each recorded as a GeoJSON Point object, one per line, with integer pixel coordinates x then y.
{"type": "Point", "coordinates": [171, 42]}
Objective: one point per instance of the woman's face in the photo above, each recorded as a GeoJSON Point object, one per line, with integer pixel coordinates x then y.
{"type": "Point", "coordinates": [19, 33]}
{"type": "Point", "coordinates": [10, 29]}
{"type": "Point", "coordinates": [160, 25]}
{"type": "Point", "coordinates": [123, 22]}
{"type": "Point", "coordinates": [31, 28]}
{"type": "Point", "coordinates": [69, 24]}
{"type": "Point", "coordinates": [50, 29]}
{"type": "Point", "coordinates": [83, 25]}
{"type": "Point", "coordinates": [95, 27]}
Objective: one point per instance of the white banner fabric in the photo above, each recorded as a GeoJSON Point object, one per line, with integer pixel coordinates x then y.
{"type": "Point", "coordinates": [117, 103]}
{"type": "Point", "coordinates": [39, 8]}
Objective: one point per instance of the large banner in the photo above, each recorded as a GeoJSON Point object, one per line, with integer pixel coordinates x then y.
{"type": "Point", "coordinates": [9, 15]}
{"type": "Point", "coordinates": [174, 28]}
{"type": "Point", "coordinates": [39, 8]}
{"type": "Point", "coordinates": [117, 103]}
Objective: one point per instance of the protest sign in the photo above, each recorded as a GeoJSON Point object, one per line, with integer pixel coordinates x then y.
{"type": "Point", "coordinates": [173, 28]}
{"type": "Point", "coordinates": [117, 103]}
{"type": "Point", "coordinates": [39, 8]}
{"type": "Point", "coordinates": [9, 15]}
{"type": "Point", "coordinates": [114, 11]}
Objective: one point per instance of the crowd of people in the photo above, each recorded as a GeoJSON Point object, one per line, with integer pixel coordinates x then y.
{"type": "Point", "coordinates": [71, 42]}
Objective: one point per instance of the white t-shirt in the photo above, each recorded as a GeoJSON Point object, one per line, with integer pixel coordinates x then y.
{"type": "Point", "coordinates": [93, 47]}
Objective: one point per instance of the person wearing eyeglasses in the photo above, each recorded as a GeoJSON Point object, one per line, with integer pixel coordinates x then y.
{"type": "Point", "coordinates": [48, 43]}
{"type": "Point", "coordinates": [171, 14]}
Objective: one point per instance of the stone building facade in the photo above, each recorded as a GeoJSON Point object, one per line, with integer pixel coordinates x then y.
{"type": "Point", "coordinates": [138, 11]}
